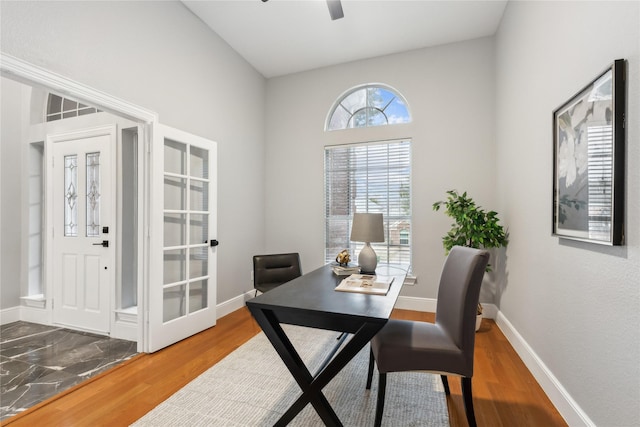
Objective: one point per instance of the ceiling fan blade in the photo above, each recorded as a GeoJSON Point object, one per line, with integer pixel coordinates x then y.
{"type": "Point", "coordinates": [335, 9]}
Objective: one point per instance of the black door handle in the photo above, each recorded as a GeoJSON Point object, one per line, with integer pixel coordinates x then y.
{"type": "Point", "coordinates": [214, 243]}
{"type": "Point", "coordinates": [104, 244]}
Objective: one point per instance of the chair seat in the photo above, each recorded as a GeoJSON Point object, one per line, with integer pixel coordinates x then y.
{"type": "Point", "coordinates": [404, 345]}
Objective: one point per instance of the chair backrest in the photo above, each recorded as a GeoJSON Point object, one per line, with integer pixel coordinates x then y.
{"type": "Point", "coordinates": [458, 295]}
{"type": "Point", "coordinates": [272, 270]}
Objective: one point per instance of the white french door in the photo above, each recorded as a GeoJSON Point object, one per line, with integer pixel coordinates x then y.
{"type": "Point", "coordinates": [81, 177]}
{"type": "Point", "coordinates": [182, 289]}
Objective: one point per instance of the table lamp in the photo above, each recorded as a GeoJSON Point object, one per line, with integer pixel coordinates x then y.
{"type": "Point", "coordinates": [367, 228]}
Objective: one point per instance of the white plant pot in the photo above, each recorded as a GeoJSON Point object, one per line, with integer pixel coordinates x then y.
{"type": "Point", "coordinates": [478, 321]}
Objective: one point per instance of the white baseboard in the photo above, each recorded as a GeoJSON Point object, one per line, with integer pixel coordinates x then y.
{"type": "Point", "coordinates": [9, 315]}
{"type": "Point", "coordinates": [34, 315]}
{"type": "Point", "coordinates": [561, 399]}
{"type": "Point", "coordinates": [233, 304]}
{"type": "Point", "coordinates": [429, 305]}
{"type": "Point", "coordinates": [416, 304]}
{"type": "Point", "coordinates": [25, 313]}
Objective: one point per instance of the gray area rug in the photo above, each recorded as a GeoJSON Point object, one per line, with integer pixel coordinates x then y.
{"type": "Point", "coordinates": [252, 387]}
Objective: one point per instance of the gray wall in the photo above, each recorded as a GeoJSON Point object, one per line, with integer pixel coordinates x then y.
{"type": "Point", "coordinates": [576, 304]}
{"type": "Point", "coordinates": [450, 92]}
{"type": "Point", "coordinates": [160, 56]}
{"type": "Point", "coordinates": [11, 241]}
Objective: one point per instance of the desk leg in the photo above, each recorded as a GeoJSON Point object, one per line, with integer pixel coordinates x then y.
{"type": "Point", "coordinates": [311, 387]}
{"type": "Point", "coordinates": [287, 352]}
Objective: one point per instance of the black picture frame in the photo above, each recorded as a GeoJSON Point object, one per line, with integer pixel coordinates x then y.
{"type": "Point", "coordinates": [589, 141]}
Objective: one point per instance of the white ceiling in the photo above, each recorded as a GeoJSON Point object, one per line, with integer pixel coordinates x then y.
{"type": "Point", "coordinates": [280, 37]}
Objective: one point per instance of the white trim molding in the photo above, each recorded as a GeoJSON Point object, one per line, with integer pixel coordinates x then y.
{"type": "Point", "coordinates": [9, 315]}
{"type": "Point", "coordinates": [233, 304]}
{"type": "Point", "coordinates": [417, 304]}
{"type": "Point", "coordinates": [17, 69]}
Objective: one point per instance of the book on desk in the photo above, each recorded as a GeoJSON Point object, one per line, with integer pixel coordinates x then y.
{"type": "Point", "coordinates": [365, 284]}
{"type": "Point", "coordinates": [345, 270]}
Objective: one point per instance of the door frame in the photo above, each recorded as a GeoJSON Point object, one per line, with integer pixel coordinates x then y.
{"type": "Point", "coordinates": [24, 72]}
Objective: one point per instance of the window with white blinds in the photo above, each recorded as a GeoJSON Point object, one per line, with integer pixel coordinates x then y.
{"type": "Point", "coordinates": [374, 178]}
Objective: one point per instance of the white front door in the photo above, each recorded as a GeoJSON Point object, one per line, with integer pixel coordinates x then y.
{"type": "Point", "coordinates": [182, 288]}
{"type": "Point", "coordinates": [81, 182]}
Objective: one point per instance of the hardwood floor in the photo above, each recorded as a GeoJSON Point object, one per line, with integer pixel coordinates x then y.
{"type": "Point", "coordinates": [505, 393]}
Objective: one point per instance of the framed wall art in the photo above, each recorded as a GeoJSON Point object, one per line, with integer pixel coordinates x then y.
{"type": "Point", "coordinates": [588, 161]}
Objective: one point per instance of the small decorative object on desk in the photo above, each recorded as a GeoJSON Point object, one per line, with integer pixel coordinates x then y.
{"type": "Point", "coordinates": [365, 284]}
{"type": "Point", "coordinates": [343, 258]}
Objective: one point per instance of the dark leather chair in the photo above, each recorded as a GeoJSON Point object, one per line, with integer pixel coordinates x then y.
{"type": "Point", "coordinates": [445, 347]}
{"type": "Point", "coordinates": [270, 271]}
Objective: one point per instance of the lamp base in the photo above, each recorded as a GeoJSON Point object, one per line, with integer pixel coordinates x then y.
{"type": "Point", "coordinates": [367, 260]}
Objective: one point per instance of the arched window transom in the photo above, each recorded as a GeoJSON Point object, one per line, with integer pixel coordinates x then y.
{"type": "Point", "coordinates": [59, 108]}
{"type": "Point", "coordinates": [366, 106]}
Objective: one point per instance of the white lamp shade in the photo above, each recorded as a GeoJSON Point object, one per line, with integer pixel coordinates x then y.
{"type": "Point", "coordinates": [367, 227]}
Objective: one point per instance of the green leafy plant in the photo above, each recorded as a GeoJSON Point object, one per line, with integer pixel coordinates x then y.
{"type": "Point", "coordinates": [473, 227]}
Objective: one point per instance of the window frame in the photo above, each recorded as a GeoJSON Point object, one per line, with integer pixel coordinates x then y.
{"type": "Point", "coordinates": [58, 107]}
{"type": "Point", "coordinates": [397, 97]}
{"type": "Point", "coordinates": [384, 250]}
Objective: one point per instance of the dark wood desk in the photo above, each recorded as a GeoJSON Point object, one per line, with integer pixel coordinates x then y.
{"type": "Point", "coordinates": [310, 300]}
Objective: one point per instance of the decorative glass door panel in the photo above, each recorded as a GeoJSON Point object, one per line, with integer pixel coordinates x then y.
{"type": "Point", "coordinates": [93, 194]}
{"type": "Point", "coordinates": [71, 195]}
{"type": "Point", "coordinates": [186, 292]}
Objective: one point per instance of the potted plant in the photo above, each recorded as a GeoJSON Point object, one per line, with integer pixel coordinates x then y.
{"type": "Point", "coordinates": [473, 227]}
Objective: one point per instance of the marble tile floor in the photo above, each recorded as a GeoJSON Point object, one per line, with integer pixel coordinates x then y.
{"type": "Point", "coordinates": [38, 361]}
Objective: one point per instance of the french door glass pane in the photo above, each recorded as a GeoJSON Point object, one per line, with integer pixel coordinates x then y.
{"type": "Point", "coordinates": [175, 266]}
{"type": "Point", "coordinates": [198, 229]}
{"type": "Point", "coordinates": [197, 262]}
{"type": "Point", "coordinates": [199, 196]}
{"type": "Point", "coordinates": [175, 229]}
{"type": "Point", "coordinates": [175, 157]}
{"type": "Point", "coordinates": [199, 167]}
{"type": "Point", "coordinates": [174, 302]}
{"type": "Point", "coordinates": [198, 295]}
{"type": "Point", "coordinates": [175, 193]}
{"type": "Point", "coordinates": [93, 194]}
{"type": "Point", "coordinates": [71, 195]}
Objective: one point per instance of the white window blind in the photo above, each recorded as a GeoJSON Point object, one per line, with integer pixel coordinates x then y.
{"type": "Point", "coordinates": [374, 178]}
